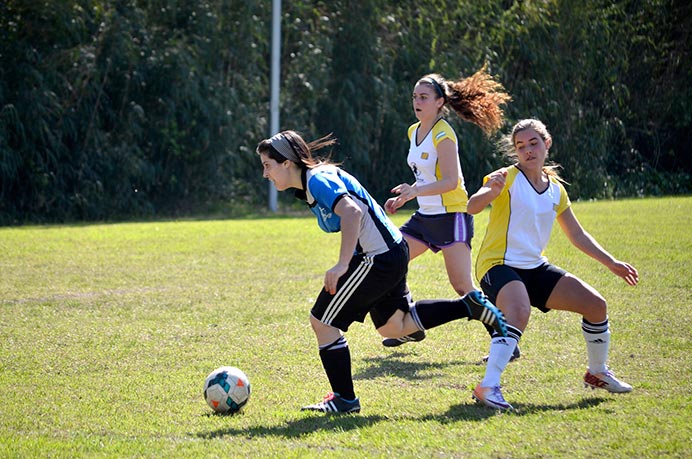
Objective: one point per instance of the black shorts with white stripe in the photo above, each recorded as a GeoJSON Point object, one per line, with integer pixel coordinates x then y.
{"type": "Point", "coordinates": [372, 284]}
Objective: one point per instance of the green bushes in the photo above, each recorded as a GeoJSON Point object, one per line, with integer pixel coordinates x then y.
{"type": "Point", "coordinates": [118, 109]}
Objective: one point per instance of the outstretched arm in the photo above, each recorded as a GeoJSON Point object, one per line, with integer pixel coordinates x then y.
{"type": "Point", "coordinates": [587, 244]}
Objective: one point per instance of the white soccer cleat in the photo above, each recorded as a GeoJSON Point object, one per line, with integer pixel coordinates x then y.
{"type": "Point", "coordinates": [491, 397]}
{"type": "Point", "coordinates": [606, 381]}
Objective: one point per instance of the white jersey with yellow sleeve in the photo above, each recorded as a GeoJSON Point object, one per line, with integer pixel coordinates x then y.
{"type": "Point", "coordinates": [521, 220]}
{"type": "Point", "coordinates": [423, 161]}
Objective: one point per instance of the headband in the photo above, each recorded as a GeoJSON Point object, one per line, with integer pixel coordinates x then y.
{"type": "Point", "coordinates": [436, 85]}
{"type": "Point", "coordinates": [283, 146]}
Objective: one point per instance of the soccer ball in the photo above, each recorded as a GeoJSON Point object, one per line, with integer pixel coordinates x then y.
{"type": "Point", "coordinates": [226, 389]}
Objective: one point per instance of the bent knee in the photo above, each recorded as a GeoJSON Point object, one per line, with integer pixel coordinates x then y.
{"type": "Point", "coordinates": [523, 312]}
{"type": "Point", "coordinates": [596, 307]}
{"type": "Point", "coordinates": [516, 314]}
{"type": "Point", "coordinates": [462, 288]}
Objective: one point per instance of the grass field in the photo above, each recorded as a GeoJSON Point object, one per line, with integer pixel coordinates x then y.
{"type": "Point", "coordinates": [107, 332]}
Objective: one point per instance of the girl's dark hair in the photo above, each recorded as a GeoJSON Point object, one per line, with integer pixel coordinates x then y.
{"type": "Point", "coordinates": [296, 149]}
{"type": "Point", "coordinates": [476, 99]}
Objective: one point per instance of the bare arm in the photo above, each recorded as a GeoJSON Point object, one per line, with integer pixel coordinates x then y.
{"type": "Point", "coordinates": [449, 169]}
{"type": "Point", "coordinates": [587, 244]}
{"type": "Point", "coordinates": [351, 216]}
{"type": "Point", "coordinates": [487, 193]}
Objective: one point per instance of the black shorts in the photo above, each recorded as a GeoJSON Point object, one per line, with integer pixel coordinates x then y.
{"type": "Point", "coordinates": [539, 282]}
{"type": "Point", "coordinates": [372, 284]}
{"type": "Point", "coordinates": [440, 231]}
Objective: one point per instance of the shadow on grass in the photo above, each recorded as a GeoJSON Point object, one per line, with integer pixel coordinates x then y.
{"type": "Point", "coordinates": [329, 422]}
{"type": "Point", "coordinates": [300, 427]}
{"type": "Point", "coordinates": [395, 364]}
{"type": "Point", "coordinates": [474, 412]}
{"type": "Point", "coordinates": [521, 409]}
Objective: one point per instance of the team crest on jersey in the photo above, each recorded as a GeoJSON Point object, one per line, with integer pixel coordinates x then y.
{"type": "Point", "coordinates": [556, 206]}
{"type": "Point", "coordinates": [326, 215]}
{"type": "Point", "coordinates": [424, 155]}
{"type": "Point", "coordinates": [415, 170]}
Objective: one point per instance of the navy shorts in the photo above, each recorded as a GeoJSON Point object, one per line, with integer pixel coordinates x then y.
{"type": "Point", "coordinates": [440, 231]}
{"type": "Point", "coordinates": [372, 284]}
{"type": "Point", "coordinates": [539, 282]}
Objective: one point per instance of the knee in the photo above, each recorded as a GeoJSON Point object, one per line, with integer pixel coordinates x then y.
{"type": "Point", "coordinates": [461, 291]}
{"type": "Point", "coordinates": [318, 327]}
{"type": "Point", "coordinates": [596, 309]}
{"type": "Point", "coordinates": [516, 314]}
{"type": "Point", "coordinates": [524, 312]}
{"type": "Point", "coordinates": [462, 288]}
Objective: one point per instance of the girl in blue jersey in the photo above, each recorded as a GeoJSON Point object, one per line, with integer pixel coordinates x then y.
{"type": "Point", "coordinates": [370, 273]}
{"type": "Point", "coordinates": [441, 222]}
{"type": "Point", "coordinates": [526, 199]}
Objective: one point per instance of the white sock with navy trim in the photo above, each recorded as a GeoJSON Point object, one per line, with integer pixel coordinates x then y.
{"type": "Point", "coordinates": [597, 337]}
{"type": "Point", "coordinates": [501, 350]}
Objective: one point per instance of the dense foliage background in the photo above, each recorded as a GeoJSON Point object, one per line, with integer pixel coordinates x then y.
{"type": "Point", "coordinates": [126, 108]}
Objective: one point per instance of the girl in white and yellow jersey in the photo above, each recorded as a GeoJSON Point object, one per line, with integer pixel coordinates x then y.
{"type": "Point", "coordinates": [441, 222]}
{"type": "Point", "coordinates": [526, 199]}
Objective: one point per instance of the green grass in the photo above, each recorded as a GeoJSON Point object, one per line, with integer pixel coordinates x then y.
{"type": "Point", "coordinates": [107, 332]}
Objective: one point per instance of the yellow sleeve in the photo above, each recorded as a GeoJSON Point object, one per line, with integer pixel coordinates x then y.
{"type": "Point", "coordinates": [412, 129]}
{"type": "Point", "coordinates": [442, 130]}
{"type": "Point", "coordinates": [564, 198]}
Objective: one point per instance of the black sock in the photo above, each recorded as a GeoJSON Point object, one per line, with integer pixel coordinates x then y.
{"type": "Point", "coordinates": [432, 313]}
{"type": "Point", "coordinates": [336, 360]}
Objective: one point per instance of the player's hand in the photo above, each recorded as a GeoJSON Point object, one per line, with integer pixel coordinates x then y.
{"type": "Point", "coordinates": [393, 204]}
{"type": "Point", "coordinates": [331, 278]}
{"type": "Point", "coordinates": [405, 191]}
{"type": "Point", "coordinates": [626, 271]}
{"type": "Point", "coordinates": [497, 180]}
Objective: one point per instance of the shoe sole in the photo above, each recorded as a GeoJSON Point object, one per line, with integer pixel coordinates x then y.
{"type": "Point", "coordinates": [396, 342]}
{"type": "Point", "coordinates": [592, 387]}
{"type": "Point", "coordinates": [316, 410]}
{"type": "Point", "coordinates": [491, 404]}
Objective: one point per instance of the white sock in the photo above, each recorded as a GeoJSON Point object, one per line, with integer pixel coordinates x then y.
{"type": "Point", "coordinates": [501, 349]}
{"type": "Point", "coordinates": [597, 337]}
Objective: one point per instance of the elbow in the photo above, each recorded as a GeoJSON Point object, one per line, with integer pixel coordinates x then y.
{"type": "Point", "coordinates": [472, 210]}
{"type": "Point", "coordinates": [355, 214]}
{"type": "Point", "coordinates": [449, 185]}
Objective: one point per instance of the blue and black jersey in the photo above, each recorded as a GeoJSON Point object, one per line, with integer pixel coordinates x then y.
{"type": "Point", "coordinates": [326, 185]}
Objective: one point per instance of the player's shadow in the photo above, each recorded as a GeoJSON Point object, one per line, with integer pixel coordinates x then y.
{"type": "Point", "coordinates": [473, 411]}
{"type": "Point", "coordinates": [525, 409]}
{"type": "Point", "coordinates": [460, 412]}
{"type": "Point", "coordinates": [299, 427]}
{"type": "Point", "coordinates": [395, 364]}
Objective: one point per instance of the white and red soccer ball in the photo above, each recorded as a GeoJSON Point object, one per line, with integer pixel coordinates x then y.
{"type": "Point", "coordinates": [227, 389]}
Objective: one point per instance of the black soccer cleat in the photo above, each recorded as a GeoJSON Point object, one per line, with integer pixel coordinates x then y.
{"type": "Point", "coordinates": [332, 403]}
{"type": "Point", "coordinates": [394, 342]}
{"type": "Point", "coordinates": [480, 308]}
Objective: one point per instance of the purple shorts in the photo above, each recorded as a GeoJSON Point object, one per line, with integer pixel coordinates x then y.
{"type": "Point", "coordinates": [440, 231]}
